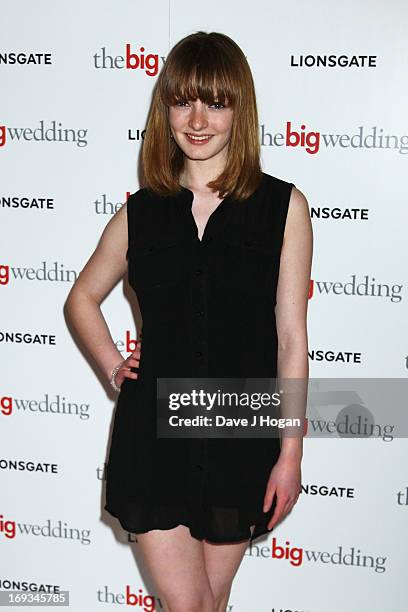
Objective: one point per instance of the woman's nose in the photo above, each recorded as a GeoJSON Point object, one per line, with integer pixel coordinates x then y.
{"type": "Point", "coordinates": [198, 118]}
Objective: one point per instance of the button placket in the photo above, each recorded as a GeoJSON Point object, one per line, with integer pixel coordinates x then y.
{"type": "Point", "coordinates": [198, 310]}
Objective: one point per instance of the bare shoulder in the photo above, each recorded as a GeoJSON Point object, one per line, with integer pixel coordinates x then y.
{"type": "Point", "coordinates": [298, 223]}
{"type": "Point", "coordinates": [298, 204]}
{"type": "Point", "coordinates": [108, 263]}
{"type": "Point", "coordinates": [114, 236]}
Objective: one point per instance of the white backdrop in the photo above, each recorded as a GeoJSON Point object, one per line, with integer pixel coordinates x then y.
{"type": "Point", "coordinates": [58, 190]}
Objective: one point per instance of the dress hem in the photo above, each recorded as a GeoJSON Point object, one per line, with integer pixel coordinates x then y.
{"type": "Point", "coordinates": [249, 538]}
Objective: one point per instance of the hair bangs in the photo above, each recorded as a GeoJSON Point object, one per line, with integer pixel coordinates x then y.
{"type": "Point", "coordinates": [206, 78]}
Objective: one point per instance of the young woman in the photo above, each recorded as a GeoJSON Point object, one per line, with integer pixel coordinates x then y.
{"type": "Point", "coordinates": [219, 254]}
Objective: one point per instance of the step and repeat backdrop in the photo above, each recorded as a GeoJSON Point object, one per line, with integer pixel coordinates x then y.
{"type": "Point", "coordinates": [76, 80]}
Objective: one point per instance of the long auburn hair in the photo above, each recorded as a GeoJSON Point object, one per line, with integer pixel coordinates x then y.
{"type": "Point", "coordinates": [205, 66]}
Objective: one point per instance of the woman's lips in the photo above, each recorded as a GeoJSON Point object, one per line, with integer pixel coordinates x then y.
{"type": "Point", "coordinates": [198, 139]}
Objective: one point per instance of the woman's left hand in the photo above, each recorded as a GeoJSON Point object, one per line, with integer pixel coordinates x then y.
{"type": "Point", "coordinates": [284, 482]}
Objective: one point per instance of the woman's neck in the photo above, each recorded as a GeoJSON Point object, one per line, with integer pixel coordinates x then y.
{"type": "Point", "coordinates": [196, 175]}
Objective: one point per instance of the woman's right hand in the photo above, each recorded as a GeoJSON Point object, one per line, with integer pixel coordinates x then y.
{"type": "Point", "coordinates": [130, 362]}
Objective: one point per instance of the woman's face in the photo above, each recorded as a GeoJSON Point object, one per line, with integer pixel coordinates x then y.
{"type": "Point", "coordinates": [202, 131]}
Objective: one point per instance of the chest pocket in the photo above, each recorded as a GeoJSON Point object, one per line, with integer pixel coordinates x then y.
{"type": "Point", "coordinates": [248, 264]}
{"type": "Point", "coordinates": [157, 264]}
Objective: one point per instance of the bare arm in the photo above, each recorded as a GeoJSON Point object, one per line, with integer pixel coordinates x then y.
{"type": "Point", "coordinates": [292, 301]}
{"type": "Point", "coordinates": [102, 272]}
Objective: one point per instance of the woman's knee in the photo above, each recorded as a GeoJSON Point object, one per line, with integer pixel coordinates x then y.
{"type": "Point", "coordinates": [220, 598]}
{"type": "Point", "coordinates": [188, 602]}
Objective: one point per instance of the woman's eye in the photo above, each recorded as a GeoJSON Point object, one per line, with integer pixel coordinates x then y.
{"type": "Point", "coordinates": [183, 103]}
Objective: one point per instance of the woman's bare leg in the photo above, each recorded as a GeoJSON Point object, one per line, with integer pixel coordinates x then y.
{"type": "Point", "coordinates": [222, 562]}
{"type": "Point", "coordinates": [176, 563]}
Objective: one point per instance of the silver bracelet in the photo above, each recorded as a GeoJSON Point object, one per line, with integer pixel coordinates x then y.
{"type": "Point", "coordinates": [114, 372]}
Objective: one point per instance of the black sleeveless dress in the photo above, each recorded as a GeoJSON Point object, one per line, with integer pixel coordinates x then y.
{"type": "Point", "coordinates": [208, 311]}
